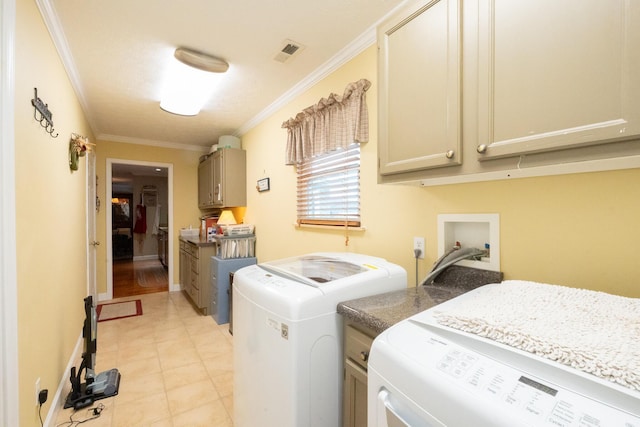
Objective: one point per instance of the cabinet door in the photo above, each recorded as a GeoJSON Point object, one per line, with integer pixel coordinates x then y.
{"type": "Point", "coordinates": [419, 102]}
{"type": "Point", "coordinates": [185, 270]}
{"type": "Point", "coordinates": [218, 176]}
{"type": "Point", "coordinates": [557, 74]}
{"type": "Point", "coordinates": [355, 395]}
{"type": "Point", "coordinates": [229, 178]}
{"type": "Point", "coordinates": [205, 188]}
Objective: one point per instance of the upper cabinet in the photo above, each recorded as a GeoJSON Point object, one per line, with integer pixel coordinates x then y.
{"type": "Point", "coordinates": [205, 183]}
{"type": "Point", "coordinates": [419, 102]}
{"type": "Point", "coordinates": [495, 89]}
{"type": "Point", "coordinates": [222, 179]}
{"type": "Point", "coordinates": [555, 74]}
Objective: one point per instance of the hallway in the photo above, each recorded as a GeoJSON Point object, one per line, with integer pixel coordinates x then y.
{"type": "Point", "coordinates": [132, 278]}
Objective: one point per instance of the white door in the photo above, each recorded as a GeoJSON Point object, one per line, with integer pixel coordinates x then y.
{"type": "Point", "coordinates": [8, 282]}
{"type": "Point", "coordinates": [92, 207]}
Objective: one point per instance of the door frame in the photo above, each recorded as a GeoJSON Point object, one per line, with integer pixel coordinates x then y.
{"type": "Point", "coordinates": [9, 402]}
{"type": "Point", "coordinates": [91, 214]}
{"type": "Point", "coordinates": [109, 246]}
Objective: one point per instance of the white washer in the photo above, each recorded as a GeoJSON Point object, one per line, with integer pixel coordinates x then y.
{"type": "Point", "coordinates": [423, 374]}
{"type": "Point", "coordinates": [287, 335]}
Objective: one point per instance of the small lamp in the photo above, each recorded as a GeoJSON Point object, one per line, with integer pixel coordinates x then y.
{"type": "Point", "coordinates": [226, 218]}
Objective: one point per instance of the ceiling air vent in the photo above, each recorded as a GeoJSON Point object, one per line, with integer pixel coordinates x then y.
{"type": "Point", "coordinates": [289, 49]}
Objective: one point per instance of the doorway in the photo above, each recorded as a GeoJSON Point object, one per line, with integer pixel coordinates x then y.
{"type": "Point", "coordinates": [138, 221]}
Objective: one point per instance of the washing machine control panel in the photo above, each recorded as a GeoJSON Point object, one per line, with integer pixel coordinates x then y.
{"type": "Point", "coordinates": [537, 401]}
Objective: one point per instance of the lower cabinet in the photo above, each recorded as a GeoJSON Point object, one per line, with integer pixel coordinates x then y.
{"type": "Point", "coordinates": [357, 344]}
{"type": "Point", "coordinates": [195, 273]}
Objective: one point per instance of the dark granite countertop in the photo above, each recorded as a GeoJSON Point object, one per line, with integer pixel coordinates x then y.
{"type": "Point", "coordinates": [197, 241]}
{"type": "Point", "coordinates": [379, 312]}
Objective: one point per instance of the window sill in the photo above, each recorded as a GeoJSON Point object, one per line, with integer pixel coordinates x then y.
{"type": "Point", "coordinates": [329, 227]}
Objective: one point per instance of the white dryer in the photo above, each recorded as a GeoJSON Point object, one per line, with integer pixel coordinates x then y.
{"type": "Point", "coordinates": [421, 374]}
{"type": "Point", "coordinates": [288, 362]}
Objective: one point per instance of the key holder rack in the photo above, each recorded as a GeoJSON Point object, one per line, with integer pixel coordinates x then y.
{"type": "Point", "coordinates": [45, 120]}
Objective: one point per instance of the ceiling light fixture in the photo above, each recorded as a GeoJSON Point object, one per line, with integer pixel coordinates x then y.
{"type": "Point", "coordinates": [192, 77]}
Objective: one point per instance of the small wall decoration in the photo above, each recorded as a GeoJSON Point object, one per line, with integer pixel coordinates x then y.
{"type": "Point", "coordinates": [263, 185]}
{"type": "Point", "coordinates": [46, 117]}
{"type": "Point", "coordinates": [78, 147]}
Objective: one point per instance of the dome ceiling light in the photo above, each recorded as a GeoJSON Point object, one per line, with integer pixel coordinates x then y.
{"type": "Point", "coordinates": [191, 78]}
{"type": "Point", "coordinates": [200, 60]}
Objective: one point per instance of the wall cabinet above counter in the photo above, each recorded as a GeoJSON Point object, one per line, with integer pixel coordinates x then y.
{"type": "Point", "coordinates": [222, 179]}
{"type": "Point", "coordinates": [487, 89]}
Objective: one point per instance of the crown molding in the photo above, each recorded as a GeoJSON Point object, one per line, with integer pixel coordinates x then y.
{"type": "Point", "coordinates": [52, 22]}
{"type": "Point", "coordinates": [153, 143]}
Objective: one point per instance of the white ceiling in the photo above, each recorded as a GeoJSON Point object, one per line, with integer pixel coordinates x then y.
{"type": "Point", "coordinates": [116, 52]}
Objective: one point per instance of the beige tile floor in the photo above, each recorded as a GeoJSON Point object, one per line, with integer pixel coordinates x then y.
{"type": "Point", "coordinates": [176, 367]}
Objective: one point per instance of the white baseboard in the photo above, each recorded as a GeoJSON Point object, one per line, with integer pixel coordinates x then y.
{"type": "Point", "coordinates": [145, 257]}
{"type": "Point", "coordinates": [58, 398]}
{"type": "Point", "coordinates": [175, 287]}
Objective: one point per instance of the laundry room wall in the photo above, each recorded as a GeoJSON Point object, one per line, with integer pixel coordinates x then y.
{"type": "Point", "coordinates": [575, 230]}
{"type": "Point", "coordinates": [50, 211]}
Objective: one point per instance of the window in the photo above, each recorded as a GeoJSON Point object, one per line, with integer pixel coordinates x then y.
{"type": "Point", "coordinates": [329, 188]}
{"type": "Point", "coordinates": [323, 142]}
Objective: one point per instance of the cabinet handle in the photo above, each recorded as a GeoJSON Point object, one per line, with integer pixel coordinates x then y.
{"type": "Point", "coordinates": [449, 154]}
{"type": "Point", "coordinates": [364, 356]}
{"type": "Point", "coordinates": [482, 148]}
{"type": "Point", "coordinates": [219, 194]}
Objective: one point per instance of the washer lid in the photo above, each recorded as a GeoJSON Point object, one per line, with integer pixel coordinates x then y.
{"type": "Point", "coordinates": [313, 270]}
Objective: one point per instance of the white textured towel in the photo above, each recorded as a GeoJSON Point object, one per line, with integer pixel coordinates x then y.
{"type": "Point", "coordinates": [592, 331]}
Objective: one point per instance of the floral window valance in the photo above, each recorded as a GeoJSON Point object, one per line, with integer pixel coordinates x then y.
{"type": "Point", "coordinates": [334, 122]}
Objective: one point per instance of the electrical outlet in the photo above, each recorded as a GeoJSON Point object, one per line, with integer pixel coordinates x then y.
{"type": "Point", "coordinates": [38, 391]}
{"type": "Point", "coordinates": [418, 244]}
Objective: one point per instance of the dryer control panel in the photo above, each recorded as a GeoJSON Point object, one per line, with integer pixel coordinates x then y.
{"type": "Point", "coordinates": [432, 374]}
{"type": "Point", "coordinates": [538, 402]}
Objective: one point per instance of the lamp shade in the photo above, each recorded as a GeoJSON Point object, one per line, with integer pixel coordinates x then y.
{"type": "Point", "coordinates": [226, 218]}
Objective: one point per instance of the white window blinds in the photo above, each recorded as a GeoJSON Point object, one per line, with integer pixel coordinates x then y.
{"type": "Point", "coordinates": [329, 188]}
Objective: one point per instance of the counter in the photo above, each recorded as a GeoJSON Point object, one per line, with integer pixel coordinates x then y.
{"type": "Point", "coordinates": [197, 241]}
{"type": "Point", "coordinates": [379, 312]}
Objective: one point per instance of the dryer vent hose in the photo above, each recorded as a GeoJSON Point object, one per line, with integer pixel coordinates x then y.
{"type": "Point", "coordinates": [450, 258]}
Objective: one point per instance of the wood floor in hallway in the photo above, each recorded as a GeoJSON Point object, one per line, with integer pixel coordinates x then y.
{"type": "Point", "coordinates": [132, 278]}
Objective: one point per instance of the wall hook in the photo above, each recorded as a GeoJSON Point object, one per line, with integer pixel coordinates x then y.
{"type": "Point", "coordinates": [46, 118]}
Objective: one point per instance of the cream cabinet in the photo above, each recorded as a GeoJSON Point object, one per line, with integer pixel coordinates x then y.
{"type": "Point", "coordinates": [205, 183]}
{"type": "Point", "coordinates": [357, 344]}
{"type": "Point", "coordinates": [222, 179]}
{"type": "Point", "coordinates": [419, 103]}
{"type": "Point", "coordinates": [185, 264]}
{"type": "Point", "coordinates": [496, 89]}
{"type": "Point", "coordinates": [195, 273]}
{"type": "Point", "coordinates": [553, 75]}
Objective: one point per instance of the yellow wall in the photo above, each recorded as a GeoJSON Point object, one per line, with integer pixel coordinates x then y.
{"type": "Point", "coordinates": [577, 230]}
{"type": "Point", "coordinates": [50, 216]}
{"type": "Point", "coordinates": [185, 192]}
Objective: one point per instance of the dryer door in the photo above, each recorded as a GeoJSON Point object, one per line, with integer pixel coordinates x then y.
{"type": "Point", "coordinates": [392, 412]}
